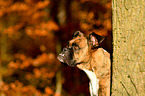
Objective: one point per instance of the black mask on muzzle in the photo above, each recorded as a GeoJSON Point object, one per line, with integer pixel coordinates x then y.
{"type": "Point", "coordinates": [66, 56]}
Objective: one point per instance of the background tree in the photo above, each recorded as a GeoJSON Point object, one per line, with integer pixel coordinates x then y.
{"type": "Point", "coordinates": [32, 33]}
{"type": "Point", "coordinates": [128, 48]}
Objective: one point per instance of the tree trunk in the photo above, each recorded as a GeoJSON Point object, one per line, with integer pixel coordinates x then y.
{"type": "Point", "coordinates": [128, 77]}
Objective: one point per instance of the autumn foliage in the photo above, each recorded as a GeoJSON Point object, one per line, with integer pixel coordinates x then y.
{"type": "Point", "coordinates": [32, 33]}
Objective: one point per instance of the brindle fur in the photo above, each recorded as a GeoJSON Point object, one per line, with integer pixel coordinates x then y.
{"type": "Point", "coordinates": [89, 57]}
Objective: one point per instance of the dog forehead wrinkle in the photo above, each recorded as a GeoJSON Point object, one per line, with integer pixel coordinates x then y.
{"type": "Point", "coordinates": [75, 40]}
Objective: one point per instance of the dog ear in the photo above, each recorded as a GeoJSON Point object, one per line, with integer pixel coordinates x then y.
{"type": "Point", "coordinates": [95, 39]}
{"type": "Point", "coordinates": [78, 33]}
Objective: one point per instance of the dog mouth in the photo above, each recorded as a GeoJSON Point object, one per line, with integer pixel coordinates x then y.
{"type": "Point", "coordinates": [62, 58]}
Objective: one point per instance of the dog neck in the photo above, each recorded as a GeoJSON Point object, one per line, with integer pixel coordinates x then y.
{"type": "Point", "coordinates": [94, 81]}
{"type": "Point", "coordinates": [85, 65]}
{"type": "Point", "coordinates": [98, 68]}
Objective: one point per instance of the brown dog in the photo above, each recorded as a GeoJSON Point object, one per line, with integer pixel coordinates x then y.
{"type": "Point", "coordinates": [84, 53]}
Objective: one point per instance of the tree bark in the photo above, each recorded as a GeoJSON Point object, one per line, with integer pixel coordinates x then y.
{"type": "Point", "coordinates": [128, 77]}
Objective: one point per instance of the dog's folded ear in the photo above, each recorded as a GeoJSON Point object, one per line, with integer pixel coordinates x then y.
{"type": "Point", "coordinates": [78, 33]}
{"type": "Point", "coordinates": [95, 39]}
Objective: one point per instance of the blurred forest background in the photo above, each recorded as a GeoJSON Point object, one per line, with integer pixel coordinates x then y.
{"type": "Point", "coordinates": [33, 32]}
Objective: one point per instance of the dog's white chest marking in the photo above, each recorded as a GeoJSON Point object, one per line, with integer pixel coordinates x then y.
{"type": "Point", "coordinates": [94, 82]}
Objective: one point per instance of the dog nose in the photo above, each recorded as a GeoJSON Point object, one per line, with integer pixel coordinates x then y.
{"type": "Point", "coordinates": [61, 58]}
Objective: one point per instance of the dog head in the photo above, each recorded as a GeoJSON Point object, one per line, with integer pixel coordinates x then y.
{"type": "Point", "coordinates": [78, 50]}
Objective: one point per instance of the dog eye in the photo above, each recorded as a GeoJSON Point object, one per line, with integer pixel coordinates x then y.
{"type": "Point", "coordinates": [76, 47]}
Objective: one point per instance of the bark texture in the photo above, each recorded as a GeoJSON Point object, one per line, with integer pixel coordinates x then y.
{"type": "Point", "coordinates": [128, 77]}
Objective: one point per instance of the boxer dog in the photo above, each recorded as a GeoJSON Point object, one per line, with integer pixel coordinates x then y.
{"type": "Point", "coordinates": [84, 52]}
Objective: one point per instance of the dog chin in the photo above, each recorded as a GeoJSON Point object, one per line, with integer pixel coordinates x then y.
{"type": "Point", "coordinates": [72, 64]}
